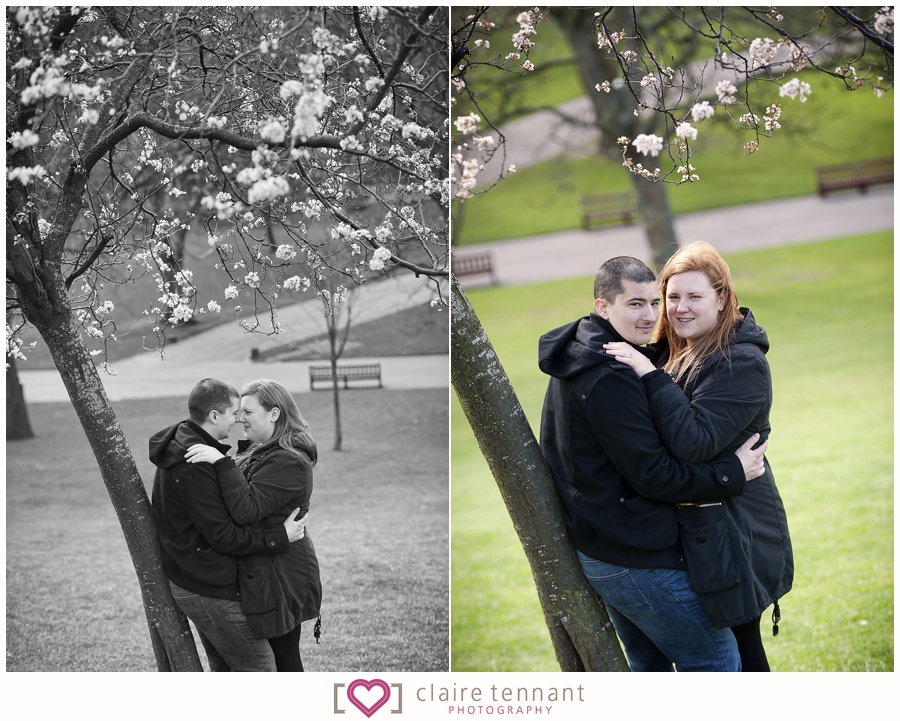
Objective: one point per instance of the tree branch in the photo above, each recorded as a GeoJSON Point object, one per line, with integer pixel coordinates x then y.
{"type": "Point", "coordinates": [863, 27]}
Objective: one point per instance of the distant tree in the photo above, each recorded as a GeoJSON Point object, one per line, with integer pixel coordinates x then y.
{"type": "Point", "coordinates": [278, 116]}
{"type": "Point", "coordinates": [18, 426]}
{"type": "Point", "coordinates": [835, 41]}
{"type": "Point", "coordinates": [338, 321]}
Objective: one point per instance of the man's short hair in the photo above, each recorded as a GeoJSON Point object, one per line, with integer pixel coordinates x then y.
{"type": "Point", "coordinates": [608, 281]}
{"type": "Point", "coordinates": [210, 395]}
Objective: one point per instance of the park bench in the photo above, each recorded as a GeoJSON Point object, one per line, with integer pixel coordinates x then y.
{"type": "Point", "coordinates": [608, 206]}
{"type": "Point", "coordinates": [346, 373]}
{"type": "Point", "coordinates": [860, 174]}
{"type": "Point", "coordinates": [474, 264]}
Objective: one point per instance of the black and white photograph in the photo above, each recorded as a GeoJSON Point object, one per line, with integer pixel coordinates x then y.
{"type": "Point", "coordinates": [227, 339]}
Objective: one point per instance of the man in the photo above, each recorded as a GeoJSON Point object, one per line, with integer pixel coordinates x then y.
{"type": "Point", "coordinates": [200, 540]}
{"type": "Point", "coordinates": [618, 485]}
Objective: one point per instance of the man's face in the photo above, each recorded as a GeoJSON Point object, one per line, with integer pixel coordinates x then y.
{"type": "Point", "coordinates": [634, 311]}
{"type": "Point", "coordinates": [223, 421]}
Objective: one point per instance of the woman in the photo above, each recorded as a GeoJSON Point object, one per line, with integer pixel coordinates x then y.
{"type": "Point", "coordinates": [273, 477]}
{"type": "Point", "coordinates": [712, 392]}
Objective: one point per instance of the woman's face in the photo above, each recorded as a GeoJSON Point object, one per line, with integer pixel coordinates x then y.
{"type": "Point", "coordinates": [692, 306]}
{"type": "Point", "coordinates": [259, 424]}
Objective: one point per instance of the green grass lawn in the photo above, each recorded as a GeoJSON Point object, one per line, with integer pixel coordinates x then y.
{"type": "Point", "coordinates": [379, 520]}
{"type": "Point", "coordinates": [828, 311]}
{"type": "Point", "coordinates": [833, 126]}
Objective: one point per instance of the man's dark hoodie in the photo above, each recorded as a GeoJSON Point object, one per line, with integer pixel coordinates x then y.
{"type": "Point", "coordinates": [199, 539]}
{"type": "Point", "coordinates": [616, 481]}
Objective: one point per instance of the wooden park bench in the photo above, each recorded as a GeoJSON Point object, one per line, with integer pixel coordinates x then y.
{"type": "Point", "coordinates": [346, 373]}
{"type": "Point", "coordinates": [474, 264]}
{"type": "Point", "coordinates": [608, 206]}
{"type": "Point", "coordinates": [860, 174]}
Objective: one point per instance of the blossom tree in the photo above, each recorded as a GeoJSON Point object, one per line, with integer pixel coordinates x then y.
{"type": "Point", "coordinates": [629, 75]}
{"type": "Point", "coordinates": [252, 124]}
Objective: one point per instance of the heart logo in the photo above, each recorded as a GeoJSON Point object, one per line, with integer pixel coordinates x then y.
{"type": "Point", "coordinates": [372, 701]}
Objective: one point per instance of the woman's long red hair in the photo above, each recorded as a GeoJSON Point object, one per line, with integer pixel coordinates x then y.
{"type": "Point", "coordinates": [700, 256]}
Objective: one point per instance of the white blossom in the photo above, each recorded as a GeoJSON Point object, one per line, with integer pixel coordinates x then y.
{"type": "Point", "coordinates": [290, 88]}
{"type": "Point", "coordinates": [884, 21]}
{"type": "Point", "coordinates": [702, 111]}
{"type": "Point", "coordinates": [795, 88]}
{"type": "Point", "coordinates": [181, 314]}
{"type": "Point", "coordinates": [726, 92]}
{"type": "Point", "coordinates": [374, 84]}
{"type": "Point", "coordinates": [26, 175]}
{"type": "Point", "coordinates": [467, 124]}
{"type": "Point", "coordinates": [773, 112]}
{"type": "Point", "coordinates": [285, 252]}
{"type": "Point", "coordinates": [416, 132]}
{"type": "Point", "coordinates": [297, 283]}
{"type": "Point", "coordinates": [213, 307]}
{"type": "Point", "coordinates": [522, 39]}
{"type": "Point", "coordinates": [352, 115]}
{"type": "Point", "coordinates": [231, 292]}
{"type": "Point", "coordinates": [252, 279]}
{"type": "Point", "coordinates": [686, 131]}
{"type": "Point", "coordinates": [648, 144]}
{"type": "Point", "coordinates": [379, 257]}
{"type": "Point", "coordinates": [25, 139]}
{"type": "Point", "coordinates": [762, 51]}
{"type": "Point", "coordinates": [268, 188]}
{"type": "Point", "coordinates": [272, 130]}
{"type": "Point", "coordinates": [307, 111]}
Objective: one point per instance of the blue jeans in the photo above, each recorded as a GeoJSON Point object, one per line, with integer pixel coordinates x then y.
{"type": "Point", "coordinates": [658, 618]}
{"type": "Point", "coordinates": [224, 632]}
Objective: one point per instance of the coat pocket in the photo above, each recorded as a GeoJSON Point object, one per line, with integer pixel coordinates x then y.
{"type": "Point", "coordinates": [706, 540]}
{"type": "Point", "coordinates": [256, 578]}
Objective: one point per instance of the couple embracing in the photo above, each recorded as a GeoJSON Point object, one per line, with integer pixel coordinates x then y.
{"type": "Point", "coordinates": [232, 531]}
{"type": "Point", "coordinates": [657, 454]}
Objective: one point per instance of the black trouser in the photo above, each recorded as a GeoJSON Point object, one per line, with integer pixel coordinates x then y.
{"type": "Point", "coordinates": [287, 651]}
{"type": "Point", "coordinates": [753, 655]}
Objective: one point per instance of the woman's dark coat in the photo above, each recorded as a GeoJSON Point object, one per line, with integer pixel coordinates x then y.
{"type": "Point", "coordinates": [739, 551]}
{"type": "Point", "coordinates": [277, 594]}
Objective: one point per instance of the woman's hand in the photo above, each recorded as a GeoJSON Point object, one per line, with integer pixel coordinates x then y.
{"type": "Point", "coordinates": [200, 453]}
{"type": "Point", "coordinates": [625, 353]}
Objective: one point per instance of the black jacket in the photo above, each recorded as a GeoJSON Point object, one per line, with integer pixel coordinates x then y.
{"type": "Point", "coordinates": [199, 539]}
{"type": "Point", "coordinates": [727, 401]}
{"type": "Point", "coordinates": [278, 592]}
{"type": "Point", "coordinates": [616, 482]}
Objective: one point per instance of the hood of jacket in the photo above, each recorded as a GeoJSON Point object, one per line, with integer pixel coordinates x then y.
{"type": "Point", "coordinates": [169, 446]}
{"type": "Point", "coordinates": [750, 332]}
{"type": "Point", "coordinates": [571, 349]}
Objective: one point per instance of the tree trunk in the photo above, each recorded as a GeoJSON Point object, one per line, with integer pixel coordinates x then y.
{"type": "Point", "coordinates": [173, 643]}
{"type": "Point", "coordinates": [582, 635]}
{"type": "Point", "coordinates": [18, 426]}
{"type": "Point", "coordinates": [614, 113]}
{"type": "Point", "coordinates": [656, 219]}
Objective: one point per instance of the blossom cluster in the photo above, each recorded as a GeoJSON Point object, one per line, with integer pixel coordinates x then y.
{"type": "Point", "coordinates": [884, 21]}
